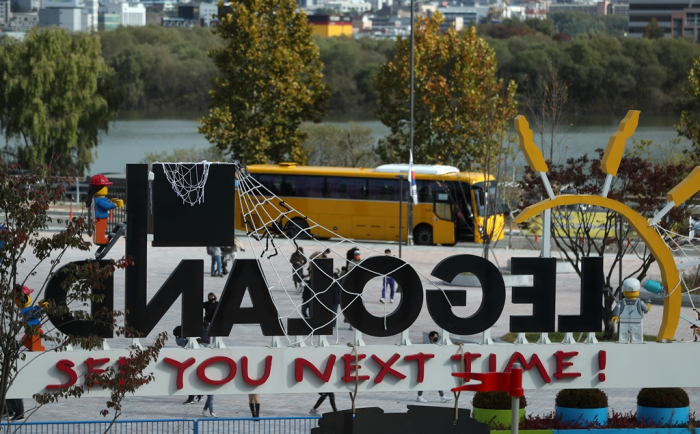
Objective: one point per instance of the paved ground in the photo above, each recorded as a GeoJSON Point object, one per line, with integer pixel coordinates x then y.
{"type": "Point", "coordinates": [163, 260]}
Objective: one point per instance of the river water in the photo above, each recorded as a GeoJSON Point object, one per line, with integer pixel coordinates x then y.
{"type": "Point", "coordinates": [135, 134]}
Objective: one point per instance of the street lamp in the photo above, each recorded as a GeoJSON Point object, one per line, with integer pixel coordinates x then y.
{"type": "Point", "coordinates": [410, 130]}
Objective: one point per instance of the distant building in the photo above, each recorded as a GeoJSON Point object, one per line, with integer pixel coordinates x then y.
{"type": "Point", "coordinates": [177, 22]}
{"type": "Point", "coordinates": [106, 21]}
{"type": "Point", "coordinates": [674, 17]}
{"type": "Point", "coordinates": [5, 14]}
{"type": "Point", "coordinates": [201, 13]}
{"type": "Point", "coordinates": [132, 14]}
{"type": "Point", "coordinates": [331, 25]}
{"type": "Point", "coordinates": [26, 5]}
{"type": "Point", "coordinates": [22, 22]}
{"type": "Point", "coordinates": [69, 18]}
{"type": "Point", "coordinates": [90, 12]}
{"type": "Point", "coordinates": [345, 7]}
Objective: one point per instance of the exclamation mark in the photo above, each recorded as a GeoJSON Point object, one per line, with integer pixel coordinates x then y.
{"type": "Point", "coordinates": [601, 365]}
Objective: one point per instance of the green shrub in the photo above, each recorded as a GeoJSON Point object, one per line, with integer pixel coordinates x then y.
{"type": "Point", "coordinates": [495, 401]}
{"type": "Point", "coordinates": [663, 397]}
{"type": "Point", "coordinates": [581, 398]}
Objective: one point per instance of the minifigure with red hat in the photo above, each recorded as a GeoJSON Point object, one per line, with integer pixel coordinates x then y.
{"type": "Point", "coordinates": [101, 207]}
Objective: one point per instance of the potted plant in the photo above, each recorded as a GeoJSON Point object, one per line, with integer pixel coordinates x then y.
{"type": "Point", "coordinates": [494, 408]}
{"type": "Point", "coordinates": [583, 407]}
{"type": "Point", "coordinates": [664, 406]}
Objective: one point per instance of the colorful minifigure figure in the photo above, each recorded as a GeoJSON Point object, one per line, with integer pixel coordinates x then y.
{"type": "Point", "coordinates": [629, 312]}
{"type": "Point", "coordinates": [32, 314]}
{"type": "Point", "coordinates": [102, 206]}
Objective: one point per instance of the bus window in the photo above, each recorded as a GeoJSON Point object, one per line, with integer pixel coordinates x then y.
{"type": "Point", "coordinates": [316, 184]}
{"type": "Point", "coordinates": [302, 186]}
{"type": "Point", "coordinates": [337, 188]}
{"type": "Point", "coordinates": [272, 184]}
{"type": "Point", "coordinates": [357, 188]}
{"type": "Point", "coordinates": [425, 190]}
{"type": "Point", "coordinates": [384, 189]}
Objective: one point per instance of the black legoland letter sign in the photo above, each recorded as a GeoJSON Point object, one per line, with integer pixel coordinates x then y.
{"type": "Point", "coordinates": [246, 275]}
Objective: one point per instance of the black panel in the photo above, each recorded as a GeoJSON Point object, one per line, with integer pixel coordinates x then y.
{"type": "Point", "coordinates": [592, 282]}
{"type": "Point", "coordinates": [542, 294]}
{"type": "Point", "coordinates": [187, 279]}
{"type": "Point", "coordinates": [321, 315]}
{"type": "Point", "coordinates": [211, 223]}
{"type": "Point", "coordinates": [65, 323]}
{"type": "Point", "coordinates": [406, 312]}
{"type": "Point", "coordinates": [245, 274]}
{"type": "Point", "coordinates": [492, 302]}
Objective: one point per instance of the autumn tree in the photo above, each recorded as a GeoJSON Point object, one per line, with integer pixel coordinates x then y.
{"type": "Point", "coordinates": [29, 260]}
{"type": "Point", "coordinates": [653, 31]}
{"type": "Point", "coordinates": [56, 98]}
{"type": "Point", "coordinates": [689, 127]}
{"type": "Point", "coordinates": [580, 231]}
{"type": "Point", "coordinates": [270, 82]}
{"type": "Point", "coordinates": [459, 100]}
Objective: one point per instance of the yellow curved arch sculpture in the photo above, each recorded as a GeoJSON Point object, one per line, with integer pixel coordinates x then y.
{"type": "Point", "coordinates": [656, 245]}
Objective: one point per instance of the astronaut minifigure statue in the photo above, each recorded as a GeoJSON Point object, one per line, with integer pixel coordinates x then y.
{"type": "Point", "coordinates": [629, 312]}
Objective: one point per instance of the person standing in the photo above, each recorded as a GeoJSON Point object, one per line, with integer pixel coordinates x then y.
{"type": "Point", "coordinates": [434, 339]}
{"type": "Point", "coordinates": [210, 307]}
{"type": "Point", "coordinates": [254, 403]}
{"type": "Point", "coordinates": [215, 253]}
{"type": "Point", "coordinates": [209, 403]}
{"type": "Point", "coordinates": [182, 341]}
{"type": "Point", "coordinates": [388, 282]}
{"type": "Point", "coordinates": [298, 260]}
{"type": "Point", "coordinates": [331, 398]}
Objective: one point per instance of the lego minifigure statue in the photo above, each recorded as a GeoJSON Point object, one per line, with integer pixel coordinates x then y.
{"type": "Point", "coordinates": [102, 206]}
{"type": "Point", "coordinates": [629, 312]}
{"type": "Point", "coordinates": [32, 315]}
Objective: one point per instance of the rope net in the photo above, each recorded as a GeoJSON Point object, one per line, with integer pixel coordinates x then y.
{"type": "Point", "coordinates": [688, 248]}
{"type": "Point", "coordinates": [187, 180]}
{"type": "Point", "coordinates": [274, 230]}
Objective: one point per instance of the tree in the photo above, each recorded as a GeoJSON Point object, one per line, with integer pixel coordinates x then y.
{"type": "Point", "coordinates": [24, 201]}
{"type": "Point", "coordinates": [653, 31]}
{"type": "Point", "coordinates": [271, 81]}
{"type": "Point", "coordinates": [57, 97]}
{"type": "Point", "coordinates": [689, 127]}
{"type": "Point", "coordinates": [211, 153]}
{"type": "Point", "coordinates": [578, 231]}
{"type": "Point", "coordinates": [546, 101]}
{"type": "Point", "coordinates": [332, 145]}
{"type": "Point", "coordinates": [458, 98]}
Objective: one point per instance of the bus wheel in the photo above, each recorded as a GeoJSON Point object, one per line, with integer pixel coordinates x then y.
{"type": "Point", "coordinates": [423, 235]}
{"type": "Point", "coordinates": [298, 227]}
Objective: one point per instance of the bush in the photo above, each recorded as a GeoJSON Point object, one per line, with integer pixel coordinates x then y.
{"type": "Point", "coordinates": [663, 397]}
{"type": "Point", "coordinates": [581, 398]}
{"type": "Point", "coordinates": [495, 401]}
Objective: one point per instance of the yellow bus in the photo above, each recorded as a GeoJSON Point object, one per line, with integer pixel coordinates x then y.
{"type": "Point", "coordinates": [363, 203]}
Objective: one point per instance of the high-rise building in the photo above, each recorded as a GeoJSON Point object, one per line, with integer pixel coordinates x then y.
{"type": "Point", "coordinates": [132, 14]}
{"type": "Point", "coordinates": [5, 13]}
{"type": "Point", "coordinates": [676, 18]}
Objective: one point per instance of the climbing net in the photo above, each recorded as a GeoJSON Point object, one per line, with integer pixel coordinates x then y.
{"type": "Point", "coordinates": [286, 242]}
{"type": "Point", "coordinates": [187, 180]}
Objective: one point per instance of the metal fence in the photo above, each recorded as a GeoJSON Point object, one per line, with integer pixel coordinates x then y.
{"type": "Point", "coordinates": [263, 425]}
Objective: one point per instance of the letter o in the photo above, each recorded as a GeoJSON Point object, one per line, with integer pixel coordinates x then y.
{"type": "Point", "coordinates": [205, 364]}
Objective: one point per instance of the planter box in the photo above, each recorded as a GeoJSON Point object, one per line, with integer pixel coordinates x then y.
{"type": "Point", "coordinates": [663, 416]}
{"type": "Point", "coordinates": [584, 416]}
{"type": "Point", "coordinates": [495, 416]}
{"type": "Point", "coordinates": [602, 431]}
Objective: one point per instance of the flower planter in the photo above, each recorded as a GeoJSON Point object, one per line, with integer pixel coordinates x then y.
{"type": "Point", "coordinates": [663, 416]}
{"type": "Point", "coordinates": [492, 417]}
{"type": "Point", "coordinates": [582, 416]}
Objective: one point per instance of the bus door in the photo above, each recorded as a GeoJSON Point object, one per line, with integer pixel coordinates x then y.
{"type": "Point", "coordinates": [445, 211]}
{"type": "Point", "coordinates": [464, 218]}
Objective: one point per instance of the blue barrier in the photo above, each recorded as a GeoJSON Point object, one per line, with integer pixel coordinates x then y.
{"type": "Point", "coordinates": [157, 426]}
{"type": "Point", "coordinates": [262, 425]}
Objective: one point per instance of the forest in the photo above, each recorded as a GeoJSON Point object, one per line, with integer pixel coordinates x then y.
{"type": "Point", "coordinates": [168, 68]}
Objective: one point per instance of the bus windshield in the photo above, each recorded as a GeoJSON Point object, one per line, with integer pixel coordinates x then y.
{"type": "Point", "coordinates": [488, 195]}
